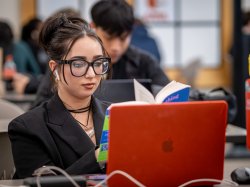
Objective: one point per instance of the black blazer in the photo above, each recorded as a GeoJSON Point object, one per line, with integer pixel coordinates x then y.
{"type": "Point", "coordinates": [49, 135]}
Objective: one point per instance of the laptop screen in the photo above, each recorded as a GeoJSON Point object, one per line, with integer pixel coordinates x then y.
{"type": "Point", "coordinates": [119, 90]}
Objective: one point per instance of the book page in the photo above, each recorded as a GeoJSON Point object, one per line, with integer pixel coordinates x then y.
{"type": "Point", "coordinates": [142, 93]}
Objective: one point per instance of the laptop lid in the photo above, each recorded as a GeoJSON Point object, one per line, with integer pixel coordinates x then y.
{"type": "Point", "coordinates": [167, 144]}
{"type": "Point", "coordinates": [119, 90]}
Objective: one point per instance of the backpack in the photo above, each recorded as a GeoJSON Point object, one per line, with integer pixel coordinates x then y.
{"type": "Point", "coordinates": [217, 94]}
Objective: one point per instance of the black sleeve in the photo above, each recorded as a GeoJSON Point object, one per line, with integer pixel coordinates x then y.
{"type": "Point", "coordinates": [153, 70]}
{"type": "Point", "coordinates": [33, 84]}
{"type": "Point", "coordinates": [87, 164]}
{"type": "Point", "coordinates": [28, 152]}
{"type": "Point", "coordinates": [44, 91]}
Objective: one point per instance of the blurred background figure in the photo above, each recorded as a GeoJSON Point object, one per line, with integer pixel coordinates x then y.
{"type": "Point", "coordinates": [6, 37]}
{"type": "Point", "coordinates": [30, 33]}
{"type": "Point", "coordinates": [246, 22]}
{"type": "Point", "coordinates": [113, 22]}
{"type": "Point", "coordinates": [142, 39]}
{"type": "Point", "coordinates": [19, 63]}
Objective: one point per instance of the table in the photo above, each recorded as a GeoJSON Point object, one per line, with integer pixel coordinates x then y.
{"type": "Point", "coordinates": [24, 101]}
{"type": "Point", "coordinates": [232, 164]}
{"type": "Point", "coordinates": [235, 134]}
{"type": "Point", "coordinates": [19, 98]}
{"type": "Point", "coordinates": [229, 166]}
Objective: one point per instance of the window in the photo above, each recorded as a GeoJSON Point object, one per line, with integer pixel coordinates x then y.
{"type": "Point", "coordinates": [185, 30]}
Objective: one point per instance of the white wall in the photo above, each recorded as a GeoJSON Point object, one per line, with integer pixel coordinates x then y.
{"type": "Point", "coordinates": [245, 5]}
{"type": "Point", "coordinates": [9, 10]}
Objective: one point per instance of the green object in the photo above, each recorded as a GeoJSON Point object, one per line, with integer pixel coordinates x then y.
{"type": "Point", "coordinates": [103, 154]}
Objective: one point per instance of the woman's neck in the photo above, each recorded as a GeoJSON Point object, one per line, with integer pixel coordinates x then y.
{"type": "Point", "coordinates": [72, 102]}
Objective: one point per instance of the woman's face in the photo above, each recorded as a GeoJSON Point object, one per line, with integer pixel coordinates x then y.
{"type": "Point", "coordinates": [81, 87]}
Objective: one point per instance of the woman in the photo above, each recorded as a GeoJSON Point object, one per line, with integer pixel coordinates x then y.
{"type": "Point", "coordinates": [66, 130]}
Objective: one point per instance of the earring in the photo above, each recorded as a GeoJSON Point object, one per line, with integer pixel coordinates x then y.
{"type": "Point", "coordinates": [56, 75]}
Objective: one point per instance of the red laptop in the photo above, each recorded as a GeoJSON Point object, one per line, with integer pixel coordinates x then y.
{"type": "Point", "coordinates": [167, 144]}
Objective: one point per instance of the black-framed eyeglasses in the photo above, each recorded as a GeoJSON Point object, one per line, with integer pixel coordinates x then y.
{"type": "Point", "coordinates": [79, 67]}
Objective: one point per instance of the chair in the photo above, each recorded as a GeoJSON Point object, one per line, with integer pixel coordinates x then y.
{"type": "Point", "coordinates": [189, 72]}
{"type": "Point", "coordinates": [8, 112]}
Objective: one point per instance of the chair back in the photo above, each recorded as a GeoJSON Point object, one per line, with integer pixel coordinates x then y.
{"type": "Point", "coordinates": [8, 112]}
{"type": "Point", "coordinates": [7, 168]}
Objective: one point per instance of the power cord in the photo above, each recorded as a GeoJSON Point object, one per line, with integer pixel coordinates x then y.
{"type": "Point", "coordinates": [41, 170]}
{"type": "Point", "coordinates": [231, 183]}
{"type": "Point", "coordinates": [121, 173]}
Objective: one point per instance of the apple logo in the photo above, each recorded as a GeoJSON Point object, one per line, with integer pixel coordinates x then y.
{"type": "Point", "coordinates": [167, 145]}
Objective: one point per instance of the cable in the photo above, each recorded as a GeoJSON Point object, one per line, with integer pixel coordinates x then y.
{"type": "Point", "coordinates": [47, 168]}
{"type": "Point", "coordinates": [1, 185]}
{"type": "Point", "coordinates": [209, 180]}
{"type": "Point", "coordinates": [139, 184]}
{"type": "Point", "coordinates": [121, 173]}
{"type": "Point", "coordinates": [231, 182]}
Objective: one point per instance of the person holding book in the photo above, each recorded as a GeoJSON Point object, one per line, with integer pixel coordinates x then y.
{"type": "Point", "coordinates": [65, 131]}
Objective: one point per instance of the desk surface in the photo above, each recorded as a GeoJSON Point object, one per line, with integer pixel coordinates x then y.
{"type": "Point", "coordinates": [18, 98]}
{"type": "Point", "coordinates": [235, 134]}
{"type": "Point", "coordinates": [229, 166]}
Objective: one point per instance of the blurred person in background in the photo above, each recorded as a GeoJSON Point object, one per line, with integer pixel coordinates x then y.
{"type": "Point", "coordinates": [30, 33]}
{"type": "Point", "coordinates": [113, 22]}
{"type": "Point", "coordinates": [20, 53]}
{"type": "Point", "coordinates": [143, 40]}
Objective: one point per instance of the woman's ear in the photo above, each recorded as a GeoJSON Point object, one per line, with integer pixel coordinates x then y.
{"type": "Point", "coordinates": [54, 69]}
{"type": "Point", "coordinates": [52, 65]}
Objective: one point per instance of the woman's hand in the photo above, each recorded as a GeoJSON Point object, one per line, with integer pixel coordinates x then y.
{"type": "Point", "coordinates": [97, 152]}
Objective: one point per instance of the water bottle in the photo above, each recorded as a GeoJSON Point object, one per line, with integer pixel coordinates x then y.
{"type": "Point", "coordinates": [9, 70]}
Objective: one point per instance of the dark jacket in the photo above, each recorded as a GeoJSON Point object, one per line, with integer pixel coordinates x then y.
{"type": "Point", "coordinates": [139, 64]}
{"type": "Point", "coordinates": [142, 39]}
{"type": "Point", "coordinates": [49, 135]}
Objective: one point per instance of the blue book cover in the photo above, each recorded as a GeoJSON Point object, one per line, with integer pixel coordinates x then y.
{"type": "Point", "coordinates": [178, 96]}
{"type": "Point", "coordinates": [172, 92]}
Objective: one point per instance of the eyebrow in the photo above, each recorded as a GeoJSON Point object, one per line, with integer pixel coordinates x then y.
{"type": "Point", "coordinates": [84, 58]}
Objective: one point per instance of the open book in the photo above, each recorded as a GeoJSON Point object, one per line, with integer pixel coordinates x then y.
{"type": "Point", "coordinates": [172, 92]}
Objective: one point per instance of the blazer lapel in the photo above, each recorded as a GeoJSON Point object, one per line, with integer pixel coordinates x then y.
{"type": "Point", "coordinates": [61, 122]}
